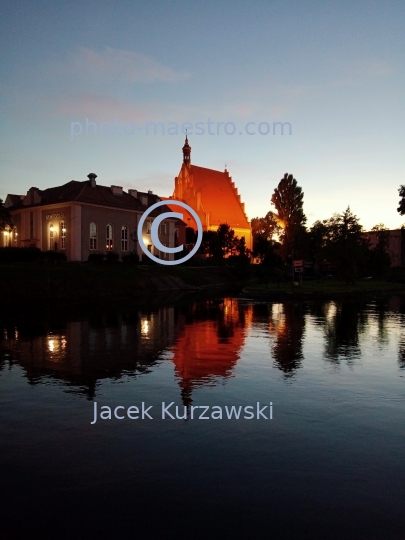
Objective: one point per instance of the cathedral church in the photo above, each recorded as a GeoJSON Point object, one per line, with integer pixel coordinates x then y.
{"type": "Point", "coordinates": [214, 197]}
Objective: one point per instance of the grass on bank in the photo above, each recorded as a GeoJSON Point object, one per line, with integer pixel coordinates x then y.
{"type": "Point", "coordinates": [80, 281]}
{"type": "Point", "coordinates": [324, 287]}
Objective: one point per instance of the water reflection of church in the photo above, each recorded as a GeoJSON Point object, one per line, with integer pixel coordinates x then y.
{"type": "Point", "coordinates": [206, 352]}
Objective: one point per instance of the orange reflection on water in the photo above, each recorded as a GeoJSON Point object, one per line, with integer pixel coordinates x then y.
{"type": "Point", "coordinates": [210, 349]}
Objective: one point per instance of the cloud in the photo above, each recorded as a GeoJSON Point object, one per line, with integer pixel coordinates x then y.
{"type": "Point", "coordinates": [110, 63]}
{"type": "Point", "coordinates": [102, 108]}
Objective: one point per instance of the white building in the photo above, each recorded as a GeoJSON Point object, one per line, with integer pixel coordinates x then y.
{"type": "Point", "coordinates": [80, 218]}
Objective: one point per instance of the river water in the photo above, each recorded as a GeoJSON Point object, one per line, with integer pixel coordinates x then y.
{"type": "Point", "coordinates": [325, 460]}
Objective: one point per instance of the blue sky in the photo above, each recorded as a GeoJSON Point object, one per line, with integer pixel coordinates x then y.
{"type": "Point", "coordinates": [333, 70]}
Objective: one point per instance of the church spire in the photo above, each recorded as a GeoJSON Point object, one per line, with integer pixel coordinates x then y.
{"type": "Point", "coordinates": [186, 152]}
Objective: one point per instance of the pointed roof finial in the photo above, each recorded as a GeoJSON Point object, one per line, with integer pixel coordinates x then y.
{"type": "Point", "coordinates": [186, 151]}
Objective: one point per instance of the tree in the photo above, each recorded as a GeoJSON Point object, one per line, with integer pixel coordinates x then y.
{"type": "Point", "coordinates": [288, 201]}
{"type": "Point", "coordinates": [6, 221]}
{"type": "Point", "coordinates": [345, 245]}
{"type": "Point", "coordinates": [263, 232]}
{"type": "Point", "coordinates": [380, 260]}
{"type": "Point", "coordinates": [401, 207]}
{"type": "Point", "coordinates": [267, 226]}
{"type": "Point", "coordinates": [318, 238]}
{"type": "Point", "coordinates": [226, 237]}
{"type": "Point", "coordinates": [223, 243]}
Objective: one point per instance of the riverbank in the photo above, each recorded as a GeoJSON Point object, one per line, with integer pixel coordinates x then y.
{"type": "Point", "coordinates": [72, 283]}
{"type": "Point", "coordinates": [81, 282]}
{"type": "Point", "coordinates": [320, 289]}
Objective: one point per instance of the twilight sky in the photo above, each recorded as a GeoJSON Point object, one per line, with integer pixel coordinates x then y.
{"type": "Point", "coordinates": [334, 70]}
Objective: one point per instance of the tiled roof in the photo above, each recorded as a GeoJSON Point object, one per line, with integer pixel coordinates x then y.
{"type": "Point", "coordinates": [84, 192]}
{"type": "Point", "coordinates": [12, 199]}
{"type": "Point", "coordinates": [186, 222]}
{"type": "Point", "coordinates": [219, 197]}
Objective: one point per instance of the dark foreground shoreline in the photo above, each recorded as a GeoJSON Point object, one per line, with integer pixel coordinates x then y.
{"type": "Point", "coordinates": [69, 284]}
{"type": "Point", "coordinates": [26, 283]}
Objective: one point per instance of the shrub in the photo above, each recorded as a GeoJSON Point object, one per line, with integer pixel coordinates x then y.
{"type": "Point", "coordinates": [112, 257]}
{"type": "Point", "coordinates": [96, 258]}
{"type": "Point", "coordinates": [53, 256]}
{"type": "Point", "coordinates": [16, 254]}
{"type": "Point", "coordinates": [130, 258]}
{"type": "Point", "coordinates": [147, 260]}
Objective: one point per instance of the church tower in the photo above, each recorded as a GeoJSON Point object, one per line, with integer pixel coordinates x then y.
{"type": "Point", "coordinates": [186, 153]}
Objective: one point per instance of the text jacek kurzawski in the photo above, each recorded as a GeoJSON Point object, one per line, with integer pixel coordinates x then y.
{"type": "Point", "coordinates": [171, 411]}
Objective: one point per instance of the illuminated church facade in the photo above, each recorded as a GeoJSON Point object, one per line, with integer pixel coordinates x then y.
{"type": "Point", "coordinates": [214, 197]}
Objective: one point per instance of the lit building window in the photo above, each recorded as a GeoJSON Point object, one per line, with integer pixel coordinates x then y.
{"type": "Point", "coordinates": [7, 238]}
{"type": "Point", "coordinates": [109, 237]}
{"type": "Point", "coordinates": [124, 238]}
{"type": "Point", "coordinates": [51, 237]}
{"type": "Point", "coordinates": [62, 235]}
{"type": "Point", "coordinates": [148, 226]}
{"type": "Point", "coordinates": [15, 235]}
{"type": "Point", "coordinates": [93, 236]}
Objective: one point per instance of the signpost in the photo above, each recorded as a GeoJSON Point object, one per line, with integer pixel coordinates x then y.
{"type": "Point", "coordinates": [299, 268]}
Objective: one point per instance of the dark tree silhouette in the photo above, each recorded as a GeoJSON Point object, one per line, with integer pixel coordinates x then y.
{"type": "Point", "coordinates": [223, 242]}
{"type": "Point", "coordinates": [380, 260]}
{"type": "Point", "coordinates": [401, 207]}
{"type": "Point", "coordinates": [288, 201]}
{"type": "Point", "coordinates": [6, 221]}
{"type": "Point", "coordinates": [340, 241]}
{"type": "Point", "coordinates": [266, 226]}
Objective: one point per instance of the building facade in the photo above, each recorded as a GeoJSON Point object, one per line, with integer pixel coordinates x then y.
{"type": "Point", "coordinates": [396, 245]}
{"type": "Point", "coordinates": [81, 218]}
{"type": "Point", "coordinates": [214, 197]}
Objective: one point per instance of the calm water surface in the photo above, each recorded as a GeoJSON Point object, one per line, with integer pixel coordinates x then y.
{"type": "Point", "coordinates": [330, 464]}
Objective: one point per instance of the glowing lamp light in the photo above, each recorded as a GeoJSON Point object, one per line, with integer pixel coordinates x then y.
{"type": "Point", "coordinates": [63, 229]}
{"type": "Point", "coordinates": [51, 227]}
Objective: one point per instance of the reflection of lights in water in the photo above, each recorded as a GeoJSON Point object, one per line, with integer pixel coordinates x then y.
{"type": "Point", "coordinates": [331, 311]}
{"type": "Point", "coordinates": [51, 345]}
{"type": "Point", "coordinates": [228, 306]}
{"type": "Point", "coordinates": [144, 326]}
{"type": "Point", "coordinates": [56, 346]}
{"type": "Point", "coordinates": [277, 322]}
